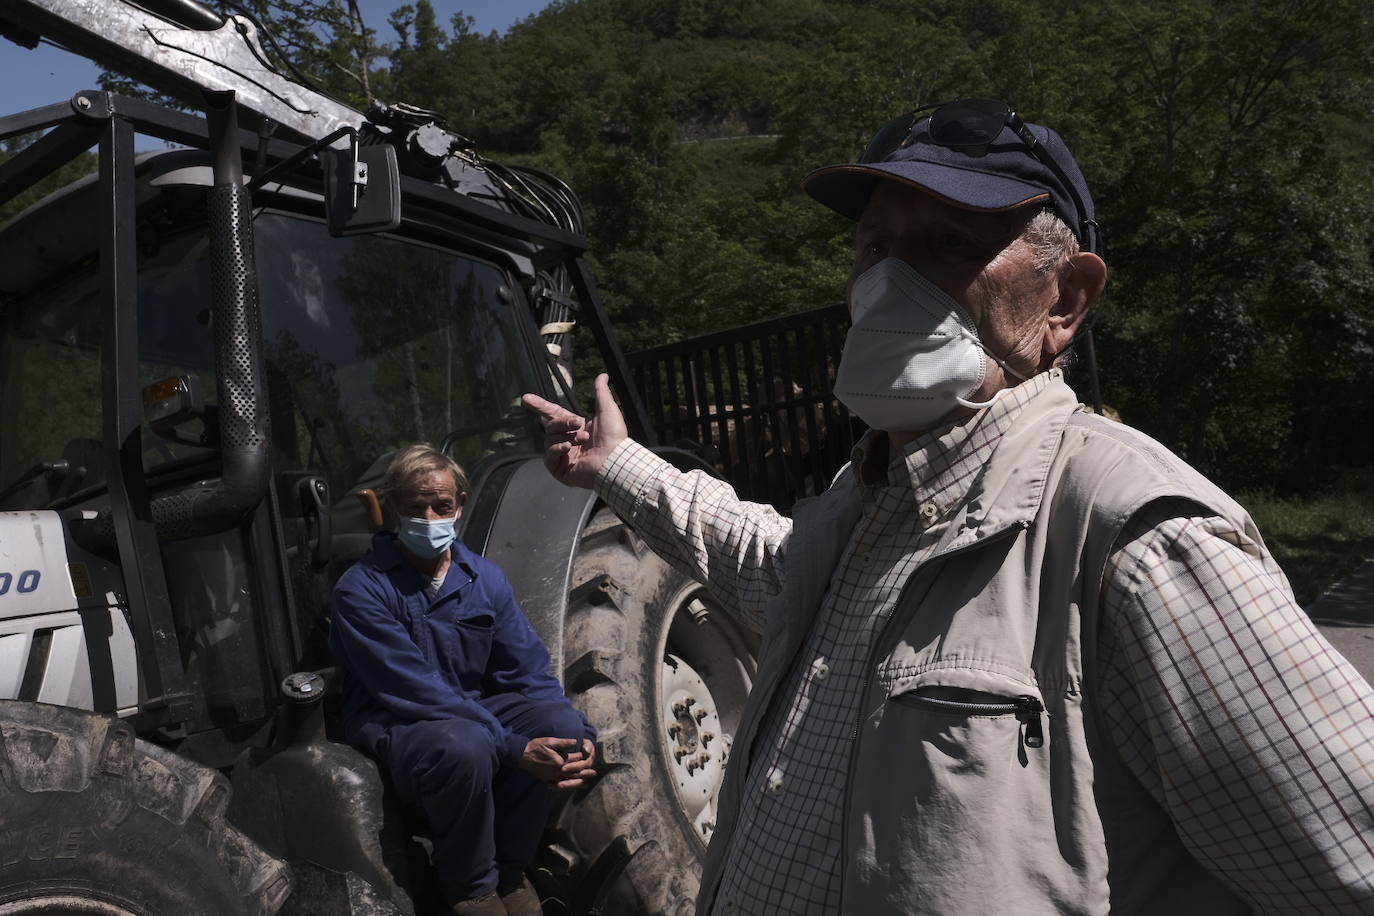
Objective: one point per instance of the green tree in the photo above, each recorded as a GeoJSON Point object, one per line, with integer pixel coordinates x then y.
{"type": "Point", "coordinates": [326, 41]}
{"type": "Point", "coordinates": [82, 165]}
{"type": "Point", "coordinates": [1225, 144]}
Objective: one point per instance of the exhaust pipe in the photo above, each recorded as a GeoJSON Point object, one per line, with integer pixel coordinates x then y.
{"type": "Point", "coordinates": [240, 380]}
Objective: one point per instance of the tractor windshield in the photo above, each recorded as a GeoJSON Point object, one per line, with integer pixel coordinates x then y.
{"type": "Point", "coordinates": [371, 343]}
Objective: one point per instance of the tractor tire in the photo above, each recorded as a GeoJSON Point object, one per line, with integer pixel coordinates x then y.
{"type": "Point", "coordinates": [98, 822]}
{"type": "Point", "coordinates": [664, 674]}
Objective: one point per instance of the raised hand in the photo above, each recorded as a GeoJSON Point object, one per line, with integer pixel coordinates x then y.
{"type": "Point", "coordinates": [575, 447]}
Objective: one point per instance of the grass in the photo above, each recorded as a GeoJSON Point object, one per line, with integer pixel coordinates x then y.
{"type": "Point", "coordinates": [1318, 539]}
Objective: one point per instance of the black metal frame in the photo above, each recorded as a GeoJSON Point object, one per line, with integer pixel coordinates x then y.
{"type": "Point", "coordinates": [109, 122]}
{"type": "Point", "coordinates": [145, 581]}
{"type": "Point", "coordinates": [730, 395]}
{"type": "Point", "coordinates": [90, 119]}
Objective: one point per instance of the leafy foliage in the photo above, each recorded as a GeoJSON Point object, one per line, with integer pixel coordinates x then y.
{"type": "Point", "coordinates": [1226, 144]}
{"type": "Point", "coordinates": [83, 164]}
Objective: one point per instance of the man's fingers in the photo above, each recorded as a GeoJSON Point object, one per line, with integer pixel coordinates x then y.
{"type": "Point", "coordinates": [577, 435]}
{"type": "Point", "coordinates": [604, 399]}
{"type": "Point", "coordinates": [557, 745]}
{"type": "Point", "coordinates": [546, 409]}
{"type": "Point", "coordinates": [575, 780]}
{"type": "Point", "coordinates": [563, 425]}
{"type": "Point", "coordinates": [560, 426]}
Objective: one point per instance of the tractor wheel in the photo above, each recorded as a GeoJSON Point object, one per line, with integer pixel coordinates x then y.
{"type": "Point", "coordinates": [664, 674]}
{"type": "Point", "coordinates": [98, 822]}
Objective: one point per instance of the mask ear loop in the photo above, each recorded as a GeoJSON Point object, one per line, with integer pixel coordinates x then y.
{"type": "Point", "coordinates": [976, 405]}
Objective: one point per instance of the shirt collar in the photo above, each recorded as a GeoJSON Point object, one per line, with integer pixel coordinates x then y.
{"type": "Point", "coordinates": [941, 464]}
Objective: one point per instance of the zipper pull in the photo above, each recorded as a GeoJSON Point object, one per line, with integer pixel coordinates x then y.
{"type": "Point", "coordinates": [1028, 711]}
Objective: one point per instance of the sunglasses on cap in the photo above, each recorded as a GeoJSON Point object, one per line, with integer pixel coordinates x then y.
{"type": "Point", "coordinates": [970, 126]}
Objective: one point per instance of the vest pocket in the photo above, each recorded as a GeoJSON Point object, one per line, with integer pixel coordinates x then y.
{"type": "Point", "coordinates": [962, 702]}
{"type": "Point", "coordinates": [954, 770]}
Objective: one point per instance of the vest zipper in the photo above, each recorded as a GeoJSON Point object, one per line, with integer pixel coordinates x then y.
{"type": "Point", "coordinates": [1026, 708]}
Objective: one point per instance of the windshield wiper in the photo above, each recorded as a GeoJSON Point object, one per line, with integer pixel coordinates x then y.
{"type": "Point", "coordinates": [53, 470]}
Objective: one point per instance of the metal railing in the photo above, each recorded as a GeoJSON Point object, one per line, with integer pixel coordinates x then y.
{"type": "Point", "coordinates": [756, 401]}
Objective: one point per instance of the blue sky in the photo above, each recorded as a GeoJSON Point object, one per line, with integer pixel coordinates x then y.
{"type": "Point", "coordinates": [46, 74]}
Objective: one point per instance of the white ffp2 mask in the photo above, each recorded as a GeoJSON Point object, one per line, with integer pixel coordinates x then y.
{"type": "Point", "coordinates": [912, 353]}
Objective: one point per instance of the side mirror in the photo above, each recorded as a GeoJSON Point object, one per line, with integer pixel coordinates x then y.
{"type": "Point", "coordinates": [362, 189]}
{"type": "Point", "coordinates": [170, 402]}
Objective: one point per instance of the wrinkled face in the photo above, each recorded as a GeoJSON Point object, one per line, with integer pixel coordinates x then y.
{"type": "Point", "coordinates": [430, 496]}
{"type": "Point", "coordinates": [978, 258]}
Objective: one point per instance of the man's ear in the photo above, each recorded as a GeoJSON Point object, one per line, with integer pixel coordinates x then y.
{"type": "Point", "coordinates": [1080, 280]}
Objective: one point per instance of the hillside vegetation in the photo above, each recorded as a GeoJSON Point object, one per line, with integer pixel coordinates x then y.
{"type": "Point", "coordinates": [1226, 144]}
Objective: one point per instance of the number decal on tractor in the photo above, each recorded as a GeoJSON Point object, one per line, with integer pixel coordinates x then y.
{"type": "Point", "coordinates": [27, 581]}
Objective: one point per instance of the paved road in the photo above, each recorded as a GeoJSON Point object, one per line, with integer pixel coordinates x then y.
{"type": "Point", "coordinates": [1345, 615]}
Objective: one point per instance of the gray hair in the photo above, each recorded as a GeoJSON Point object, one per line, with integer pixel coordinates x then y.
{"type": "Point", "coordinates": [1052, 240]}
{"type": "Point", "coordinates": [415, 462]}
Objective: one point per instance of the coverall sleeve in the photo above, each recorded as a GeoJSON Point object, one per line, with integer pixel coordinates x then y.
{"type": "Point", "coordinates": [519, 660]}
{"type": "Point", "coordinates": [1253, 733]}
{"type": "Point", "coordinates": [374, 646]}
{"type": "Point", "coordinates": [699, 525]}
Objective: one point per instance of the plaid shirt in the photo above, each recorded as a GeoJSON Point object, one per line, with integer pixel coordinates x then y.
{"type": "Point", "coordinates": [1226, 703]}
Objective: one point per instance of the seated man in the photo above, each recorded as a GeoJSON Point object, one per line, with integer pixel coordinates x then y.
{"type": "Point", "coordinates": [447, 685]}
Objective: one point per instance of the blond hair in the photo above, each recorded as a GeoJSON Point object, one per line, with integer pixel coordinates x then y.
{"type": "Point", "coordinates": [415, 462]}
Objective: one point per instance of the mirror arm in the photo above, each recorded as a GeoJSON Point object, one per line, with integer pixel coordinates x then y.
{"type": "Point", "coordinates": [296, 158]}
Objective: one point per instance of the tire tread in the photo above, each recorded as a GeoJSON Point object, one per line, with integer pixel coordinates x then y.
{"type": "Point", "coordinates": [56, 749]}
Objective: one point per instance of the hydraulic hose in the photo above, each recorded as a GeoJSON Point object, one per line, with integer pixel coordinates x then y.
{"type": "Point", "coordinates": [187, 13]}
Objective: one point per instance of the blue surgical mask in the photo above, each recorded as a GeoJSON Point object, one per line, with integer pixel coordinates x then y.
{"type": "Point", "coordinates": [424, 538]}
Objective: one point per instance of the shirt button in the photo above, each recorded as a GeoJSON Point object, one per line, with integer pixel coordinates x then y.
{"type": "Point", "coordinates": [820, 670]}
{"type": "Point", "coordinates": [774, 786]}
{"type": "Point", "coordinates": [929, 511]}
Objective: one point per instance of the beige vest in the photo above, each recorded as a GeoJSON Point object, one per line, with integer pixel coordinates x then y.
{"type": "Point", "coordinates": [953, 809]}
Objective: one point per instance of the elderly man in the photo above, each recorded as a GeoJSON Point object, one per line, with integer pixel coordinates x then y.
{"type": "Point", "coordinates": [448, 686]}
{"type": "Point", "coordinates": [1019, 657]}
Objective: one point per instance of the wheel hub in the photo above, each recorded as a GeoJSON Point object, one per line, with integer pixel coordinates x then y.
{"type": "Point", "coordinates": [696, 744]}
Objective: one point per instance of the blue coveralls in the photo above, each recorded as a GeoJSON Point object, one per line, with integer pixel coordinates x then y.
{"type": "Point", "coordinates": [445, 694]}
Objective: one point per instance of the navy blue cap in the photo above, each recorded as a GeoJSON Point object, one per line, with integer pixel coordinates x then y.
{"type": "Point", "coordinates": [1007, 176]}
